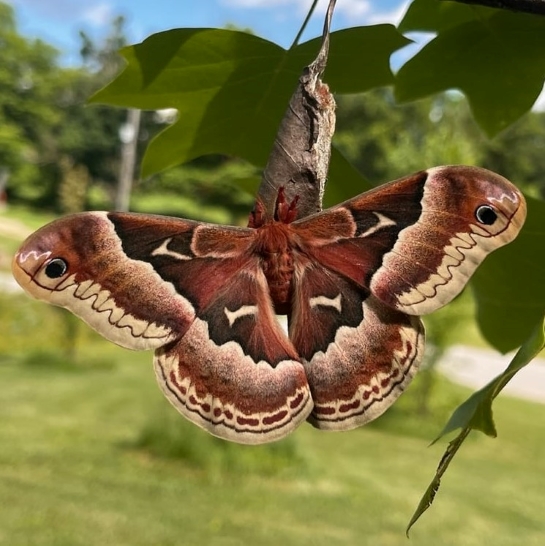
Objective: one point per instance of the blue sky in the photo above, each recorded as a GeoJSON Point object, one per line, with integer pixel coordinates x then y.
{"type": "Point", "coordinates": [58, 21]}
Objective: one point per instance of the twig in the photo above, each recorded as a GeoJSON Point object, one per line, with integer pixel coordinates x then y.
{"type": "Point", "coordinates": [304, 25]}
{"type": "Point", "coordinates": [299, 161]}
{"type": "Point", "coordinates": [537, 7]}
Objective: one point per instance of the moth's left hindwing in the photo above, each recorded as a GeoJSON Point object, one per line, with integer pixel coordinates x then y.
{"type": "Point", "coordinates": [359, 354]}
{"type": "Point", "coordinates": [234, 372]}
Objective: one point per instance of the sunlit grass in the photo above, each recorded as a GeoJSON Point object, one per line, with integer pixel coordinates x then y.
{"type": "Point", "coordinates": [74, 470]}
{"type": "Point", "coordinates": [91, 453]}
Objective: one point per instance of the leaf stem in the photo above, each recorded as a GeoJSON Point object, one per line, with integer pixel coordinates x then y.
{"type": "Point", "coordinates": [304, 25]}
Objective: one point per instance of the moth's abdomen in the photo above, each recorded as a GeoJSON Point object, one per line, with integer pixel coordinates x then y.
{"type": "Point", "coordinates": [278, 269]}
{"type": "Point", "coordinates": [275, 250]}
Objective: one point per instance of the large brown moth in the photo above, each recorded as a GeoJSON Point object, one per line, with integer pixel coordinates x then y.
{"type": "Point", "coordinates": [353, 281]}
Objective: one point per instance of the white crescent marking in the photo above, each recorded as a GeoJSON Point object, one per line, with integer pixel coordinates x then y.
{"type": "Point", "coordinates": [383, 221]}
{"type": "Point", "coordinates": [232, 316]}
{"type": "Point", "coordinates": [327, 302]}
{"type": "Point", "coordinates": [164, 251]}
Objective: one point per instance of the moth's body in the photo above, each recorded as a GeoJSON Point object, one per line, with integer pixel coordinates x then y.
{"type": "Point", "coordinates": [275, 246]}
{"type": "Point", "coordinates": [353, 281]}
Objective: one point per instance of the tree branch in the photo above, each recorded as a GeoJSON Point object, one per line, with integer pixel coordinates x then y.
{"type": "Point", "coordinates": [536, 7]}
{"type": "Point", "coordinates": [299, 160]}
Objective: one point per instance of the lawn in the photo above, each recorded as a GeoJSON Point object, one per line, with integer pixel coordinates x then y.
{"type": "Point", "coordinates": [82, 463]}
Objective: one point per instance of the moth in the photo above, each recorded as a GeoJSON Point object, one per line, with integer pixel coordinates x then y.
{"type": "Point", "coordinates": [353, 281]}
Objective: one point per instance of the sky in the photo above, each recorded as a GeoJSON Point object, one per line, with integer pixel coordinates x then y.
{"type": "Point", "coordinates": [58, 22]}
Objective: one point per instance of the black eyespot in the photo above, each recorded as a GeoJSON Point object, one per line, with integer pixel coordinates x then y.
{"type": "Point", "coordinates": [486, 215]}
{"type": "Point", "coordinates": [56, 268]}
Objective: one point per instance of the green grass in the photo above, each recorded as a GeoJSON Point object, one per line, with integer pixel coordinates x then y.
{"type": "Point", "coordinates": [31, 218]}
{"type": "Point", "coordinates": [165, 435]}
{"type": "Point", "coordinates": [91, 453]}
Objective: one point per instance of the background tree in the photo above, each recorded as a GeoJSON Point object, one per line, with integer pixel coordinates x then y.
{"type": "Point", "coordinates": [29, 115]}
{"type": "Point", "coordinates": [407, 138]}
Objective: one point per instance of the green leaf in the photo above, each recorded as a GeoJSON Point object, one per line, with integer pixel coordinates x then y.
{"type": "Point", "coordinates": [497, 62]}
{"type": "Point", "coordinates": [231, 88]}
{"type": "Point", "coordinates": [429, 496]}
{"type": "Point", "coordinates": [476, 413]}
{"type": "Point", "coordinates": [509, 286]}
{"type": "Point", "coordinates": [345, 181]}
{"type": "Point", "coordinates": [437, 16]}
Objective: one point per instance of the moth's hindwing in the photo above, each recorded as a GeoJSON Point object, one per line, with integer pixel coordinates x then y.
{"type": "Point", "coordinates": [235, 373]}
{"type": "Point", "coordinates": [359, 354]}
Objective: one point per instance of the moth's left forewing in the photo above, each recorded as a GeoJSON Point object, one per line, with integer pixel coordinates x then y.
{"type": "Point", "coordinates": [415, 242]}
{"type": "Point", "coordinates": [467, 213]}
{"type": "Point", "coordinates": [105, 282]}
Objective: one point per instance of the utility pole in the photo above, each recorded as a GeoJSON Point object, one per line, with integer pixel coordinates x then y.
{"type": "Point", "coordinates": [128, 134]}
{"type": "Point", "coordinates": [4, 176]}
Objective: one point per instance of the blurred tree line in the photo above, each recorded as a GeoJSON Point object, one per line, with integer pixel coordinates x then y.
{"type": "Point", "coordinates": [386, 141]}
{"type": "Point", "coordinates": [47, 138]}
{"type": "Point", "coordinates": [65, 156]}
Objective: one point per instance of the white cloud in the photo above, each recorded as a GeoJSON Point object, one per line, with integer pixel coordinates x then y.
{"type": "Point", "coordinates": [392, 16]}
{"type": "Point", "coordinates": [99, 15]}
{"type": "Point", "coordinates": [353, 12]}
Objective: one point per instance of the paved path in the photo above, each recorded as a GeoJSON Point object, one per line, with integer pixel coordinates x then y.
{"type": "Point", "coordinates": [17, 231]}
{"type": "Point", "coordinates": [476, 367]}
{"type": "Point", "coordinates": [10, 227]}
{"type": "Point", "coordinates": [8, 284]}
